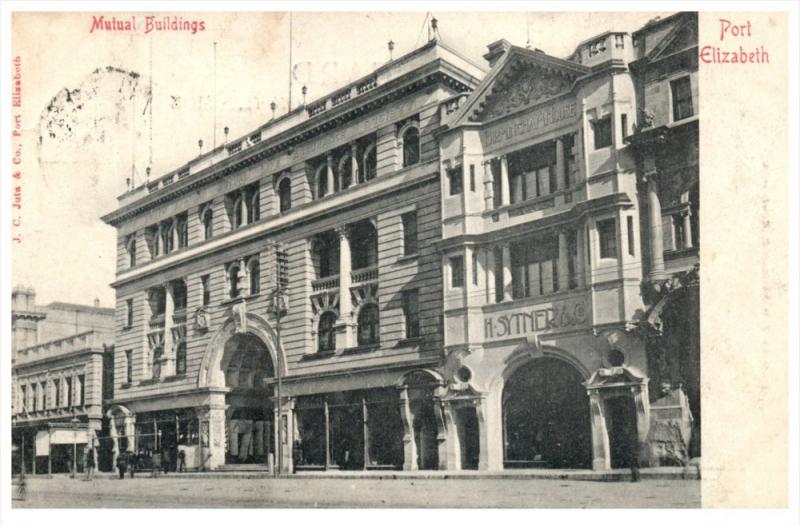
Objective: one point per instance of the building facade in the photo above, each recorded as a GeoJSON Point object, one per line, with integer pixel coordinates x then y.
{"type": "Point", "coordinates": [434, 267]}
{"type": "Point", "coordinates": [60, 354]}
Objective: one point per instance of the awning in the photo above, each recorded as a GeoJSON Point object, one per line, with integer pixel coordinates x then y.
{"type": "Point", "coordinates": [44, 439]}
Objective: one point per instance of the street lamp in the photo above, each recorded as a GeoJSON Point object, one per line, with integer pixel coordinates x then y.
{"type": "Point", "coordinates": [74, 423]}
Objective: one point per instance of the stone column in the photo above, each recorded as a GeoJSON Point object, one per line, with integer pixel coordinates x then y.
{"type": "Point", "coordinates": [344, 326]}
{"type": "Point", "coordinates": [353, 164]}
{"type": "Point", "coordinates": [488, 190]}
{"type": "Point", "coordinates": [449, 456]}
{"type": "Point", "coordinates": [656, 235]}
{"type": "Point", "coordinates": [504, 182]}
{"type": "Point", "coordinates": [244, 207]}
{"type": "Point", "coordinates": [687, 229]}
{"type": "Point", "coordinates": [329, 172]}
{"type": "Point", "coordinates": [507, 285]}
{"type": "Point", "coordinates": [130, 431]}
{"type": "Point", "coordinates": [601, 455]}
{"type": "Point", "coordinates": [409, 446]}
{"type": "Point", "coordinates": [560, 178]}
{"type": "Point", "coordinates": [642, 403]}
{"type": "Point", "coordinates": [212, 420]}
{"type": "Point", "coordinates": [580, 258]}
{"type": "Point", "coordinates": [168, 354]}
{"type": "Point", "coordinates": [563, 261]}
{"type": "Point", "coordinates": [483, 435]}
{"type": "Point", "coordinates": [490, 273]}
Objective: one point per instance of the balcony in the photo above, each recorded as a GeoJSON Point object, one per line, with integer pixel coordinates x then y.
{"type": "Point", "coordinates": [328, 283]}
{"type": "Point", "coordinates": [364, 275]}
{"type": "Point", "coordinates": [157, 321]}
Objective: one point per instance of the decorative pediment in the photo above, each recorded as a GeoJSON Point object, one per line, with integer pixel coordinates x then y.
{"type": "Point", "coordinates": [681, 37]}
{"type": "Point", "coordinates": [522, 78]}
{"type": "Point", "coordinates": [606, 377]}
{"type": "Point", "coordinates": [524, 87]}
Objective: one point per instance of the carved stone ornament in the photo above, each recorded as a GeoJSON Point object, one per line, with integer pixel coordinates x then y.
{"type": "Point", "coordinates": [531, 87]}
{"type": "Point", "coordinates": [240, 316]}
{"type": "Point", "coordinates": [201, 319]}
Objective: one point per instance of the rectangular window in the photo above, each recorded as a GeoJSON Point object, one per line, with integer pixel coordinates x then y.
{"type": "Point", "coordinates": [81, 390]}
{"type": "Point", "coordinates": [494, 166]}
{"type": "Point", "coordinates": [456, 176]}
{"type": "Point", "coordinates": [409, 233]}
{"type": "Point", "coordinates": [456, 272]}
{"type": "Point", "coordinates": [206, 282]}
{"type": "Point", "coordinates": [411, 313]}
{"type": "Point", "coordinates": [606, 231]}
{"type": "Point", "coordinates": [69, 392]}
{"type": "Point", "coordinates": [128, 367]}
{"type": "Point", "coordinates": [631, 250]}
{"type": "Point", "coordinates": [475, 266]}
{"type": "Point", "coordinates": [624, 125]}
{"type": "Point", "coordinates": [129, 313]}
{"type": "Point", "coordinates": [682, 106]}
{"type": "Point", "coordinates": [471, 177]}
{"type": "Point", "coordinates": [602, 132]}
{"type": "Point", "coordinates": [498, 275]}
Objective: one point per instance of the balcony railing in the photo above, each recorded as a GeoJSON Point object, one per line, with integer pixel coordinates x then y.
{"type": "Point", "coordinates": [157, 321]}
{"type": "Point", "coordinates": [179, 316]}
{"type": "Point", "coordinates": [331, 282]}
{"type": "Point", "coordinates": [364, 275]}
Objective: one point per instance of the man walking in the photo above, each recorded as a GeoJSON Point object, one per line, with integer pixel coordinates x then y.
{"type": "Point", "coordinates": [90, 463]}
{"type": "Point", "coordinates": [122, 464]}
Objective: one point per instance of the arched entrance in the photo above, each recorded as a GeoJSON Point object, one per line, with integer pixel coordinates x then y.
{"type": "Point", "coordinates": [247, 364]}
{"type": "Point", "coordinates": [546, 416]}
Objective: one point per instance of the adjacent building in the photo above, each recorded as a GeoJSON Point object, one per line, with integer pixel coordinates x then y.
{"type": "Point", "coordinates": [442, 265]}
{"type": "Point", "coordinates": [60, 357]}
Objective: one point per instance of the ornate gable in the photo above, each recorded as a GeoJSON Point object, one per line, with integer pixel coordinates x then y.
{"type": "Point", "coordinates": [526, 78]}
{"type": "Point", "coordinates": [683, 36]}
{"type": "Point", "coordinates": [527, 86]}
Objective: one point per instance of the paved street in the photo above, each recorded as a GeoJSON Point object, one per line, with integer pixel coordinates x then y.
{"type": "Point", "coordinates": [62, 492]}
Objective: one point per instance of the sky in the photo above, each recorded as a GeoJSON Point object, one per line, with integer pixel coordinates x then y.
{"type": "Point", "coordinates": [89, 96]}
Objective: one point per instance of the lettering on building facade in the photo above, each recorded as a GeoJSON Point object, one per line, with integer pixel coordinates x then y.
{"type": "Point", "coordinates": [533, 122]}
{"type": "Point", "coordinates": [537, 319]}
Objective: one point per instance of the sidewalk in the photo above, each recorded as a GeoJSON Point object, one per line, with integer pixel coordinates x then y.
{"type": "Point", "coordinates": [615, 475]}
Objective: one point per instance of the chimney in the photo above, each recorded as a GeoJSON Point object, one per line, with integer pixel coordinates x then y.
{"type": "Point", "coordinates": [496, 50]}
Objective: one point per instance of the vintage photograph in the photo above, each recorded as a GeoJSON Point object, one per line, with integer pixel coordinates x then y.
{"type": "Point", "coordinates": [446, 260]}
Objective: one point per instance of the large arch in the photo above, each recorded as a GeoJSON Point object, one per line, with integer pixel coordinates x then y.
{"type": "Point", "coordinates": [545, 412]}
{"type": "Point", "coordinates": [212, 374]}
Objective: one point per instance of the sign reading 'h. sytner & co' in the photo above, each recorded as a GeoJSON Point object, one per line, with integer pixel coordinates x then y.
{"type": "Point", "coordinates": [536, 121]}
{"type": "Point", "coordinates": [542, 318]}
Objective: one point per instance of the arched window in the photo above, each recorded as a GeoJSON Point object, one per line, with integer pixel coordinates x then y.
{"type": "Point", "coordinates": [254, 272]}
{"type": "Point", "coordinates": [326, 335]}
{"type": "Point", "coordinates": [238, 212]}
{"type": "Point", "coordinates": [411, 146]}
{"type": "Point", "coordinates": [180, 359]}
{"type": "Point", "coordinates": [156, 365]}
{"type": "Point", "coordinates": [326, 254]}
{"type": "Point", "coordinates": [132, 252]}
{"type": "Point", "coordinates": [182, 230]}
{"type": "Point", "coordinates": [368, 325]}
{"type": "Point", "coordinates": [233, 281]}
{"type": "Point", "coordinates": [322, 180]}
{"type": "Point", "coordinates": [167, 233]}
{"type": "Point", "coordinates": [285, 194]}
{"type": "Point", "coordinates": [254, 208]}
{"type": "Point", "coordinates": [345, 172]}
{"type": "Point", "coordinates": [208, 222]}
{"type": "Point", "coordinates": [370, 169]}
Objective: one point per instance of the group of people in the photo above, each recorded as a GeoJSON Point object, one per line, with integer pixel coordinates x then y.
{"type": "Point", "coordinates": [148, 460]}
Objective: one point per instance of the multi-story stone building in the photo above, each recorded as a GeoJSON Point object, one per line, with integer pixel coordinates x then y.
{"type": "Point", "coordinates": [60, 353]}
{"type": "Point", "coordinates": [346, 189]}
{"type": "Point", "coordinates": [463, 254]}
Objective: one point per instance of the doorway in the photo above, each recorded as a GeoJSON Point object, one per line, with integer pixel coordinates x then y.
{"type": "Point", "coordinates": [622, 433]}
{"type": "Point", "coordinates": [468, 438]}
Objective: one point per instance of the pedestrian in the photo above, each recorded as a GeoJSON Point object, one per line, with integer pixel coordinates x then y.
{"type": "Point", "coordinates": [89, 463]}
{"type": "Point", "coordinates": [156, 460]}
{"type": "Point", "coordinates": [165, 460]}
{"type": "Point", "coordinates": [133, 464]}
{"type": "Point", "coordinates": [122, 464]}
{"type": "Point", "coordinates": [633, 456]}
{"type": "Point", "coordinates": [181, 460]}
